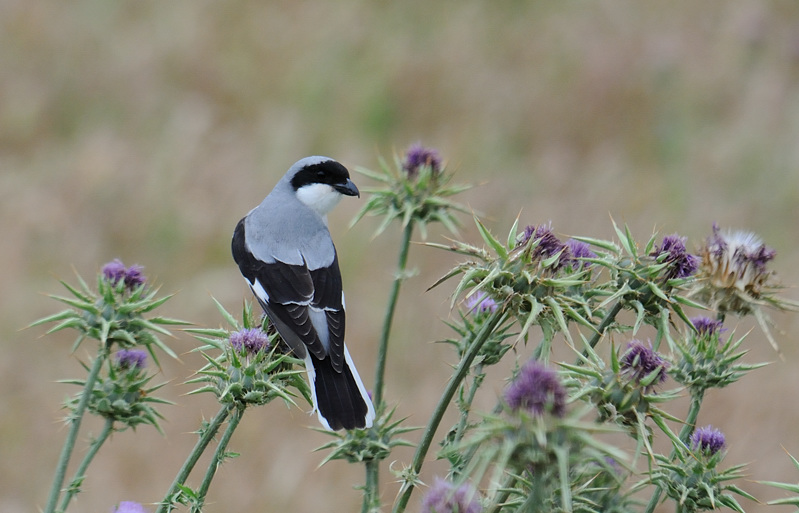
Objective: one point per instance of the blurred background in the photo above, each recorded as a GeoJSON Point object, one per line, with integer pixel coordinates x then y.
{"type": "Point", "coordinates": [145, 130]}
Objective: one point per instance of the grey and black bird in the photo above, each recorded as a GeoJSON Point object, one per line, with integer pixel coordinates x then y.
{"type": "Point", "coordinates": [284, 250]}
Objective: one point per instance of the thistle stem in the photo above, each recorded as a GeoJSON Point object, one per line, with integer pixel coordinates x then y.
{"type": "Point", "coordinates": [183, 474]}
{"type": "Point", "coordinates": [467, 404]}
{"type": "Point", "coordinates": [75, 420]}
{"type": "Point", "coordinates": [452, 386]}
{"type": "Point", "coordinates": [219, 454]}
{"type": "Point", "coordinates": [372, 468]}
{"type": "Point", "coordinates": [371, 499]}
{"type": "Point", "coordinates": [606, 321]}
{"type": "Point", "coordinates": [80, 473]}
{"type": "Point", "coordinates": [693, 414]}
{"type": "Point", "coordinates": [382, 348]}
{"type": "Point", "coordinates": [503, 492]}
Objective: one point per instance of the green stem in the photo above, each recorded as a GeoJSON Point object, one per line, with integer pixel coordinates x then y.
{"type": "Point", "coordinates": [464, 420]}
{"type": "Point", "coordinates": [219, 454]}
{"type": "Point", "coordinates": [382, 348]}
{"type": "Point", "coordinates": [609, 318]}
{"type": "Point", "coordinates": [693, 414]}
{"type": "Point", "coordinates": [371, 499]}
{"type": "Point", "coordinates": [502, 494]}
{"type": "Point", "coordinates": [74, 420]}
{"type": "Point", "coordinates": [685, 433]}
{"type": "Point", "coordinates": [80, 473]}
{"type": "Point", "coordinates": [370, 493]}
{"type": "Point", "coordinates": [207, 435]}
{"type": "Point", "coordinates": [449, 392]}
{"type": "Point", "coordinates": [467, 405]}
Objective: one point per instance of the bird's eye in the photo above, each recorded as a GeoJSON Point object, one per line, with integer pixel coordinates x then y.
{"type": "Point", "coordinates": [320, 174]}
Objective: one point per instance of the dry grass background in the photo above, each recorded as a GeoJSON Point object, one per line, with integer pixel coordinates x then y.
{"type": "Point", "coordinates": [145, 130]}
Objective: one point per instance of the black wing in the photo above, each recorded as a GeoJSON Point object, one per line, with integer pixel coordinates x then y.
{"type": "Point", "coordinates": [290, 292]}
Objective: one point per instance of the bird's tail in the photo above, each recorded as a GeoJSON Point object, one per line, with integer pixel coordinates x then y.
{"type": "Point", "coordinates": [339, 398]}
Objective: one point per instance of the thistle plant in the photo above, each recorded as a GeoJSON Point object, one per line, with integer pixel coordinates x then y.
{"type": "Point", "coordinates": [251, 368]}
{"type": "Point", "coordinates": [694, 481]}
{"type": "Point", "coordinates": [444, 497]}
{"type": "Point", "coordinates": [705, 361]}
{"type": "Point", "coordinates": [532, 447]}
{"type": "Point", "coordinates": [735, 279]}
{"type": "Point", "coordinates": [626, 391]}
{"type": "Point", "coordinates": [575, 290]}
{"type": "Point", "coordinates": [575, 433]}
{"type": "Point", "coordinates": [115, 316]}
{"type": "Point", "coordinates": [414, 191]}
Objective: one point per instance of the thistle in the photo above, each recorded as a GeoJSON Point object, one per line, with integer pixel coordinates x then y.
{"type": "Point", "coordinates": [705, 361]}
{"type": "Point", "coordinates": [114, 314]}
{"type": "Point", "coordinates": [251, 367]}
{"type": "Point", "coordinates": [480, 304]}
{"type": "Point", "coordinates": [445, 497]}
{"type": "Point", "coordinates": [708, 440]}
{"type": "Point", "coordinates": [643, 365]}
{"type": "Point", "coordinates": [527, 276]}
{"type": "Point", "coordinates": [580, 254]}
{"type": "Point", "coordinates": [360, 445]}
{"type": "Point", "coordinates": [672, 251]}
{"type": "Point", "coordinates": [415, 191]}
{"type": "Point", "coordinates": [693, 480]}
{"type": "Point", "coordinates": [624, 392]}
{"type": "Point", "coordinates": [534, 448]}
{"type": "Point", "coordinates": [129, 507]}
{"type": "Point", "coordinates": [734, 277]}
{"type": "Point", "coordinates": [131, 277]}
{"type": "Point", "coordinates": [122, 395]}
{"type": "Point", "coordinates": [736, 260]}
{"type": "Point", "coordinates": [537, 390]}
{"type": "Point", "coordinates": [418, 157]}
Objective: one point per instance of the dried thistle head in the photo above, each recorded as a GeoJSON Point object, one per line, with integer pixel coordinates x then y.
{"type": "Point", "coordinates": [736, 260]}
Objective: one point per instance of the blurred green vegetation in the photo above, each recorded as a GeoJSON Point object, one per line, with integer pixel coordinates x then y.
{"type": "Point", "coordinates": [145, 130]}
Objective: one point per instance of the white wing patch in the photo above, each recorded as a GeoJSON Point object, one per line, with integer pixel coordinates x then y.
{"type": "Point", "coordinates": [370, 409]}
{"type": "Point", "coordinates": [259, 291]}
{"type": "Point", "coordinates": [318, 318]}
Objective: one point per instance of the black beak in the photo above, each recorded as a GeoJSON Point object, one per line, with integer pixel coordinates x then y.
{"type": "Point", "coordinates": [348, 188]}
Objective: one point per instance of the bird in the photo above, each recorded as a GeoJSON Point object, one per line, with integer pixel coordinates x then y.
{"type": "Point", "coordinates": [284, 250]}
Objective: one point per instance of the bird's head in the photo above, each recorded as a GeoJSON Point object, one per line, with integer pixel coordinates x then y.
{"type": "Point", "coordinates": [320, 182]}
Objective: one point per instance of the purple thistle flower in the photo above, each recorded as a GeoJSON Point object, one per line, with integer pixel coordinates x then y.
{"type": "Point", "coordinates": [444, 497]}
{"type": "Point", "coordinates": [537, 389]}
{"type": "Point", "coordinates": [129, 507]}
{"type": "Point", "coordinates": [548, 244]}
{"type": "Point", "coordinates": [707, 327]}
{"type": "Point", "coordinates": [708, 440]}
{"type": "Point", "coordinates": [251, 339]}
{"type": "Point", "coordinates": [480, 303]}
{"type": "Point", "coordinates": [681, 263]}
{"type": "Point", "coordinates": [131, 358]}
{"type": "Point", "coordinates": [639, 361]}
{"type": "Point", "coordinates": [134, 276]}
{"type": "Point", "coordinates": [579, 249]}
{"type": "Point", "coordinates": [115, 271]}
{"type": "Point", "coordinates": [418, 156]}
